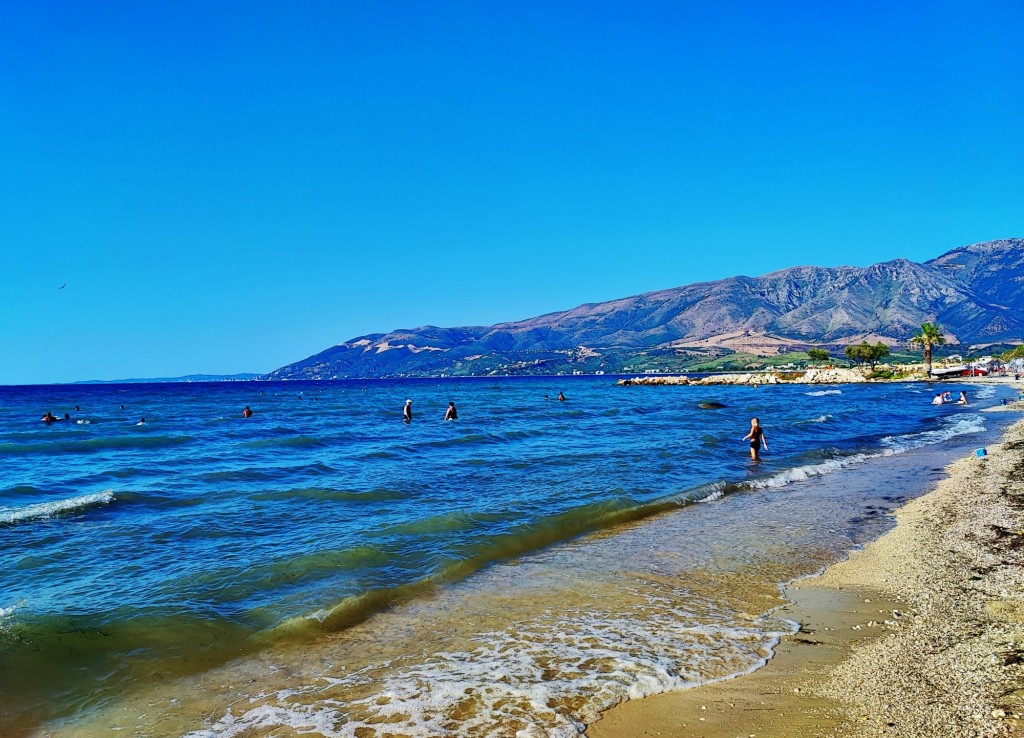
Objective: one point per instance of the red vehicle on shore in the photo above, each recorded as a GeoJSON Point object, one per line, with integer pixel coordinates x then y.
{"type": "Point", "coordinates": [973, 370]}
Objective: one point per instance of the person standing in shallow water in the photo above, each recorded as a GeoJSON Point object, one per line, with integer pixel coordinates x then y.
{"type": "Point", "coordinates": [247, 413]}
{"type": "Point", "coordinates": [756, 437]}
{"type": "Point", "coordinates": [407, 412]}
{"type": "Point", "coordinates": [451, 413]}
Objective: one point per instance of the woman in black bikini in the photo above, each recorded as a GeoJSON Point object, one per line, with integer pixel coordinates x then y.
{"type": "Point", "coordinates": [756, 437]}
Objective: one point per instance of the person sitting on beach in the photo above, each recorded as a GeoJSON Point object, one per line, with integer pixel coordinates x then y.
{"type": "Point", "coordinates": [49, 418]}
{"type": "Point", "coordinates": [561, 397]}
{"type": "Point", "coordinates": [937, 400]}
{"type": "Point", "coordinates": [247, 413]}
{"type": "Point", "coordinates": [407, 412]}
{"type": "Point", "coordinates": [756, 437]}
{"type": "Point", "coordinates": [963, 398]}
{"type": "Point", "coordinates": [451, 413]}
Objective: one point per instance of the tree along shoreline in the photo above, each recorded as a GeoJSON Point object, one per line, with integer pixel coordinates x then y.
{"type": "Point", "coordinates": [901, 373]}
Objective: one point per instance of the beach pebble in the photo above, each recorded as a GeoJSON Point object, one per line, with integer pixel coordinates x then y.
{"type": "Point", "coordinates": [997, 713]}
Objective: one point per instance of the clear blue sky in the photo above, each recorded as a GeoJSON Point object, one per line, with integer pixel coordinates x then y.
{"type": "Point", "coordinates": [230, 187]}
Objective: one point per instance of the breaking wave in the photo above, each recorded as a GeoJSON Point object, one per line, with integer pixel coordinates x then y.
{"type": "Point", "coordinates": [10, 515]}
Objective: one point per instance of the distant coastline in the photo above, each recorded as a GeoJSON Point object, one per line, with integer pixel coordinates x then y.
{"type": "Point", "coordinates": [242, 377]}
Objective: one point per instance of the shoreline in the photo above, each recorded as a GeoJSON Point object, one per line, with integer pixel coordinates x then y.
{"type": "Point", "coordinates": [838, 375]}
{"type": "Point", "coordinates": [920, 633]}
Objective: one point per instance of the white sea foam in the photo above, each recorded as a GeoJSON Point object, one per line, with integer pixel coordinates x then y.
{"type": "Point", "coordinates": [808, 471]}
{"type": "Point", "coordinates": [984, 392]}
{"type": "Point", "coordinates": [716, 493]}
{"type": "Point", "coordinates": [820, 419]}
{"type": "Point", "coordinates": [6, 612]}
{"type": "Point", "coordinates": [7, 615]}
{"type": "Point", "coordinates": [531, 675]}
{"type": "Point", "coordinates": [822, 393]}
{"type": "Point", "coordinates": [49, 509]}
{"type": "Point", "coordinates": [956, 425]}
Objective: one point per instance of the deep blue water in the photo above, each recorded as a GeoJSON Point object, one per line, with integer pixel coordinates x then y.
{"type": "Point", "coordinates": [325, 503]}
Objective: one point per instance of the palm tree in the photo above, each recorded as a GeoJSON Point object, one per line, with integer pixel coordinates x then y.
{"type": "Point", "coordinates": [930, 335]}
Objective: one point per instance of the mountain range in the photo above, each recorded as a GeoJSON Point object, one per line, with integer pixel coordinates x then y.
{"type": "Point", "coordinates": [975, 293]}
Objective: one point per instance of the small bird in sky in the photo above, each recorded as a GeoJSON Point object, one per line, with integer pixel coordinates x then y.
{"type": "Point", "coordinates": [63, 286]}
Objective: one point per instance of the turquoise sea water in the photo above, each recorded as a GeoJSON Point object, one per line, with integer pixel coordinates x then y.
{"type": "Point", "coordinates": [165, 550]}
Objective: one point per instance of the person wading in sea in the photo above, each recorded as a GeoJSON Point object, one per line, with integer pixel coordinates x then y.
{"type": "Point", "coordinates": [756, 437]}
{"type": "Point", "coordinates": [407, 412]}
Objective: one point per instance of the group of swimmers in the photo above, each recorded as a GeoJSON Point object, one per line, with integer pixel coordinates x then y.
{"type": "Point", "coordinates": [51, 418]}
{"type": "Point", "coordinates": [946, 398]}
{"type": "Point", "coordinates": [755, 435]}
{"type": "Point", "coordinates": [450, 412]}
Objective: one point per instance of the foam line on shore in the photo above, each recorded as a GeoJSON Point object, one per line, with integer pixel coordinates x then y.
{"type": "Point", "coordinates": [892, 445]}
{"type": "Point", "coordinates": [917, 634]}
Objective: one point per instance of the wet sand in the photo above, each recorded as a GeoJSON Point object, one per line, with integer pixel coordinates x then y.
{"type": "Point", "coordinates": [921, 633]}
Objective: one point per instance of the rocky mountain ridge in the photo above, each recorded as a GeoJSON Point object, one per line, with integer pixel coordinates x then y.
{"type": "Point", "coordinates": [976, 293]}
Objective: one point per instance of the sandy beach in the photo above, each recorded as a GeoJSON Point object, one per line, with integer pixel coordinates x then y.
{"type": "Point", "coordinates": [921, 633]}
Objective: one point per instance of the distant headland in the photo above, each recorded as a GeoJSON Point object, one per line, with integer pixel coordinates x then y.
{"type": "Point", "coordinates": [243, 377]}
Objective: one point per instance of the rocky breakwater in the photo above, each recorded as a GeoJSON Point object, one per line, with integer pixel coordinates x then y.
{"type": "Point", "coordinates": [811, 376]}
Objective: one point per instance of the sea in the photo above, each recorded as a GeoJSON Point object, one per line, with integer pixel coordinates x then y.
{"type": "Point", "coordinates": [169, 567]}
